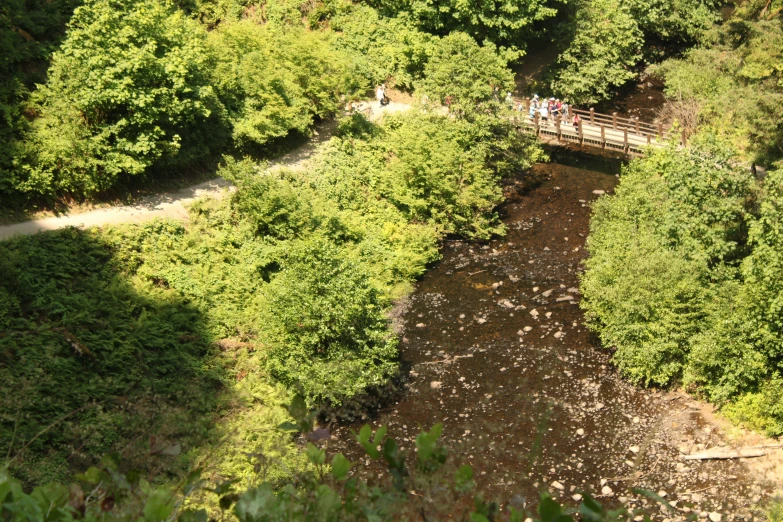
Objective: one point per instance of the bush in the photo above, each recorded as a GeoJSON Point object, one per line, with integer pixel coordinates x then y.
{"type": "Point", "coordinates": [326, 328]}
{"type": "Point", "coordinates": [658, 248]}
{"type": "Point", "coordinates": [606, 46]}
{"type": "Point", "coordinates": [128, 89]}
{"type": "Point", "coordinates": [273, 82]}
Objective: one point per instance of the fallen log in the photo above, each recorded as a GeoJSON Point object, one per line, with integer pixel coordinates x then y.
{"type": "Point", "coordinates": [718, 453]}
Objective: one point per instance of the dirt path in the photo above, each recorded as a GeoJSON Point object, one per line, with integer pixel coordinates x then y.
{"type": "Point", "coordinates": [175, 204]}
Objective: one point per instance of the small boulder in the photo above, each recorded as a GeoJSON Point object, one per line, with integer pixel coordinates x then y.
{"type": "Point", "coordinates": [435, 385]}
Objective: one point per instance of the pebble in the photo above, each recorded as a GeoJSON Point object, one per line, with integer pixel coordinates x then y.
{"type": "Point", "coordinates": [481, 320]}
{"type": "Point", "coordinates": [534, 313]}
{"type": "Point", "coordinates": [662, 494]}
{"type": "Point", "coordinates": [528, 328]}
{"type": "Point", "coordinates": [558, 335]}
{"type": "Point", "coordinates": [599, 192]}
{"type": "Point", "coordinates": [547, 293]}
{"type": "Point", "coordinates": [715, 516]}
{"type": "Point", "coordinates": [558, 485]}
{"type": "Point", "coordinates": [606, 490]}
{"type": "Point", "coordinates": [435, 385]}
{"type": "Point", "coordinates": [548, 315]}
{"type": "Point", "coordinates": [634, 449]}
{"type": "Point", "coordinates": [577, 497]}
{"type": "Point", "coordinates": [580, 432]}
{"type": "Point", "coordinates": [535, 289]}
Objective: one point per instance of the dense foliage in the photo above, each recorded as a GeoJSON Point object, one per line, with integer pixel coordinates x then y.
{"type": "Point", "coordinates": [684, 278]}
{"type": "Point", "coordinates": [510, 25]}
{"type": "Point", "coordinates": [610, 38]}
{"type": "Point", "coordinates": [734, 83]}
{"type": "Point", "coordinates": [429, 485]}
{"type": "Point", "coordinates": [285, 284]}
{"type": "Point", "coordinates": [128, 88]}
{"type": "Point", "coordinates": [29, 30]}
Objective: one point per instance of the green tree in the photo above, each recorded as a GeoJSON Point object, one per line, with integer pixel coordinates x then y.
{"type": "Point", "coordinates": [508, 24]}
{"type": "Point", "coordinates": [469, 78]}
{"type": "Point", "coordinates": [326, 325]}
{"type": "Point", "coordinates": [128, 89]}
{"type": "Point", "coordinates": [606, 46]}
{"type": "Point", "coordinates": [275, 81]}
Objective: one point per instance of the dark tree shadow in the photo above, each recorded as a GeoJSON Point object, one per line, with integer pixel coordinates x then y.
{"type": "Point", "coordinates": [105, 368]}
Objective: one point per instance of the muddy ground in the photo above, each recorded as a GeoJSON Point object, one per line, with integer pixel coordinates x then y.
{"type": "Point", "coordinates": [495, 346]}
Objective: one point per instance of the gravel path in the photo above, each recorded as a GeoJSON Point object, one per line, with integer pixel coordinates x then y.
{"type": "Point", "coordinates": [174, 204]}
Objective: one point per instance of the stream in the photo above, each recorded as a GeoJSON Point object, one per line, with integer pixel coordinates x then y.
{"type": "Point", "coordinates": [494, 345]}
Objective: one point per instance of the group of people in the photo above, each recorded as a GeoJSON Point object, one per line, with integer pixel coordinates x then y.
{"type": "Point", "coordinates": [551, 108]}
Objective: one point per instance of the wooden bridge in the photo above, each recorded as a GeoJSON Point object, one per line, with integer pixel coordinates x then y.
{"type": "Point", "coordinates": [628, 135]}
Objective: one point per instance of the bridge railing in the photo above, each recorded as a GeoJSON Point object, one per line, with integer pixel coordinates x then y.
{"type": "Point", "coordinates": [616, 122]}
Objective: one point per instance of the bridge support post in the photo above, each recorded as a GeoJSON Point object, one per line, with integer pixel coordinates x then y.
{"type": "Point", "coordinates": [557, 127]}
{"type": "Point", "coordinates": [614, 121]}
{"type": "Point", "coordinates": [649, 139]}
{"type": "Point", "coordinates": [581, 134]}
{"type": "Point", "coordinates": [603, 136]}
{"type": "Point", "coordinates": [592, 116]}
{"type": "Point", "coordinates": [537, 119]}
{"type": "Point", "coordinates": [660, 131]}
{"type": "Point", "coordinates": [625, 140]}
{"type": "Point", "coordinates": [527, 105]}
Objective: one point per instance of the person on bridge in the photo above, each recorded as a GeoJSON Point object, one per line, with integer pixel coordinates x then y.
{"type": "Point", "coordinates": [577, 119]}
{"type": "Point", "coordinates": [544, 112]}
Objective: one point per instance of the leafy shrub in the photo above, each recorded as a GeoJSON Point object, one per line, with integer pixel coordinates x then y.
{"type": "Point", "coordinates": [606, 46]}
{"type": "Point", "coordinates": [657, 249]}
{"type": "Point", "coordinates": [382, 49]}
{"type": "Point", "coordinates": [684, 280]}
{"type": "Point", "coordinates": [509, 25]}
{"type": "Point", "coordinates": [735, 78]}
{"type": "Point", "coordinates": [325, 324]}
{"type": "Point", "coordinates": [473, 78]}
{"type": "Point", "coordinates": [275, 81]}
{"type": "Point", "coordinates": [128, 89]}
{"type": "Point", "coordinates": [28, 31]}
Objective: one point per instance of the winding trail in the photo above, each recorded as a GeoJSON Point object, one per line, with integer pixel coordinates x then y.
{"type": "Point", "coordinates": [174, 204]}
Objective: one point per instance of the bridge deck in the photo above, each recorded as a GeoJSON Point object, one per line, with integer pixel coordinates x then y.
{"type": "Point", "coordinates": [628, 135]}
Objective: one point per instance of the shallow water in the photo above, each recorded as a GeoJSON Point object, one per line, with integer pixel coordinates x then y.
{"type": "Point", "coordinates": [514, 403]}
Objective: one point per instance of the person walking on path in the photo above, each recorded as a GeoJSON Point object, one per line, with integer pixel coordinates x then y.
{"type": "Point", "coordinates": [380, 94]}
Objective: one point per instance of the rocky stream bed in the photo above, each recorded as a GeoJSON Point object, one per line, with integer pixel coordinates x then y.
{"type": "Point", "coordinates": [494, 346]}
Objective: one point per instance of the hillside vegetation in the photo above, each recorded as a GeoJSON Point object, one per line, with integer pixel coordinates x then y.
{"type": "Point", "coordinates": [685, 267]}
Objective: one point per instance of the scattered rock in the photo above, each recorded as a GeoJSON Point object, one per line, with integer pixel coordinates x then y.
{"type": "Point", "coordinates": [558, 485]}
{"type": "Point", "coordinates": [558, 335]}
{"type": "Point", "coordinates": [565, 298]}
{"type": "Point", "coordinates": [462, 316]}
{"type": "Point", "coordinates": [547, 293]}
{"type": "Point", "coordinates": [535, 289]}
{"type": "Point", "coordinates": [715, 516]}
{"type": "Point", "coordinates": [435, 385]}
{"type": "Point", "coordinates": [663, 494]}
{"type": "Point", "coordinates": [420, 325]}
{"type": "Point", "coordinates": [573, 290]}
{"type": "Point", "coordinates": [580, 432]}
{"type": "Point", "coordinates": [506, 303]}
{"type": "Point", "coordinates": [577, 497]}
{"type": "Point", "coordinates": [607, 491]}
{"type": "Point", "coordinates": [513, 279]}
{"type": "Point", "coordinates": [481, 320]}
{"type": "Point", "coordinates": [599, 192]}
{"type": "Point", "coordinates": [599, 406]}
{"type": "Point", "coordinates": [634, 449]}
{"type": "Point", "coordinates": [534, 313]}
{"type": "Point", "coordinates": [548, 315]}
{"type": "Point", "coordinates": [528, 328]}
